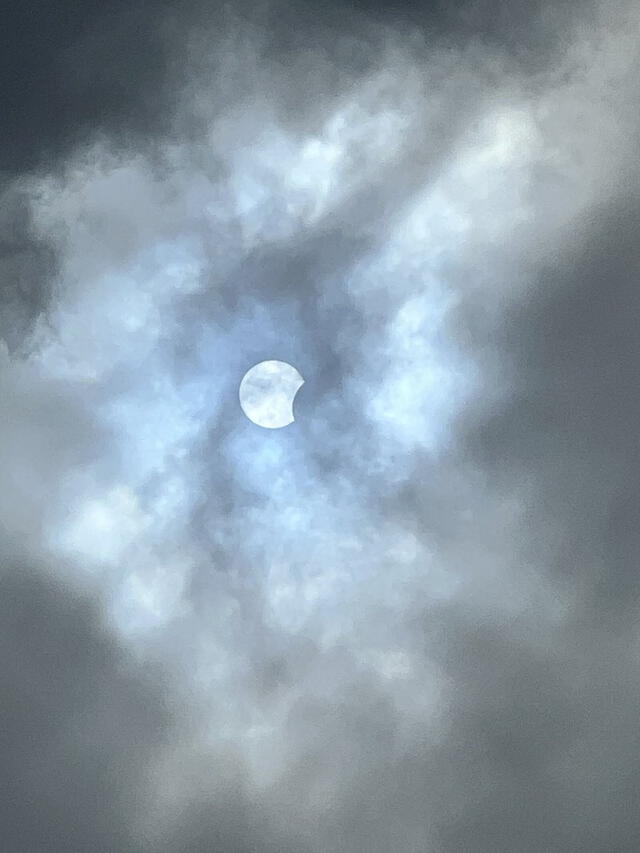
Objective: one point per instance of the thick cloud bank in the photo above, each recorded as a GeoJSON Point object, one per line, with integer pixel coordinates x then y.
{"type": "Point", "coordinates": [407, 621]}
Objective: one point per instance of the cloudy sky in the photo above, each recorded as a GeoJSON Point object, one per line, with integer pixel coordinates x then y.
{"type": "Point", "coordinates": [407, 622]}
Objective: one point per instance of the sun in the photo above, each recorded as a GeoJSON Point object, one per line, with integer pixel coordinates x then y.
{"type": "Point", "coordinates": [267, 392]}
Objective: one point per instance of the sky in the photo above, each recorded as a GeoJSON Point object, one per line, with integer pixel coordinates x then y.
{"type": "Point", "coordinates": [408, 621]}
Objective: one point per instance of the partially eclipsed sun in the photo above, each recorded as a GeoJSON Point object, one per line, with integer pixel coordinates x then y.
{"type": "Point", "coordinates": [267, 392]}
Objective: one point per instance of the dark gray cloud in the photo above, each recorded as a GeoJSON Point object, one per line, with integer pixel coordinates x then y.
{"type": "Point", "coordinates": [27, 268]}
{"type": "Point", "coordinates": [81, 722]}
{"type": "Point", "coordinates": [73, 70]}
{"type": "Point", "coordinates": [408, 621]}
{"type": "Point", "coordinates": [573, 358]}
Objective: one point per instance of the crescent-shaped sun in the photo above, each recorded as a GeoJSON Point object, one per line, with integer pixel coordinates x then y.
{"type": "Point", "coordinates": [267, 392]}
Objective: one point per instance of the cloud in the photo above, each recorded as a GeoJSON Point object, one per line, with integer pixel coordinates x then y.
{"type": "Point", "coordinates": [76, 72]}
{"type": "Point", "coordinates": [27, 265]}
{"type": "Point", "coordinates": [408, 620]}
{"type": "Point", "coordinates": [81, 722]}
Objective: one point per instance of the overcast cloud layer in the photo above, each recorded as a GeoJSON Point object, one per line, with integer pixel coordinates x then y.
{"type": "Point", "coordinates": [408, 621]}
